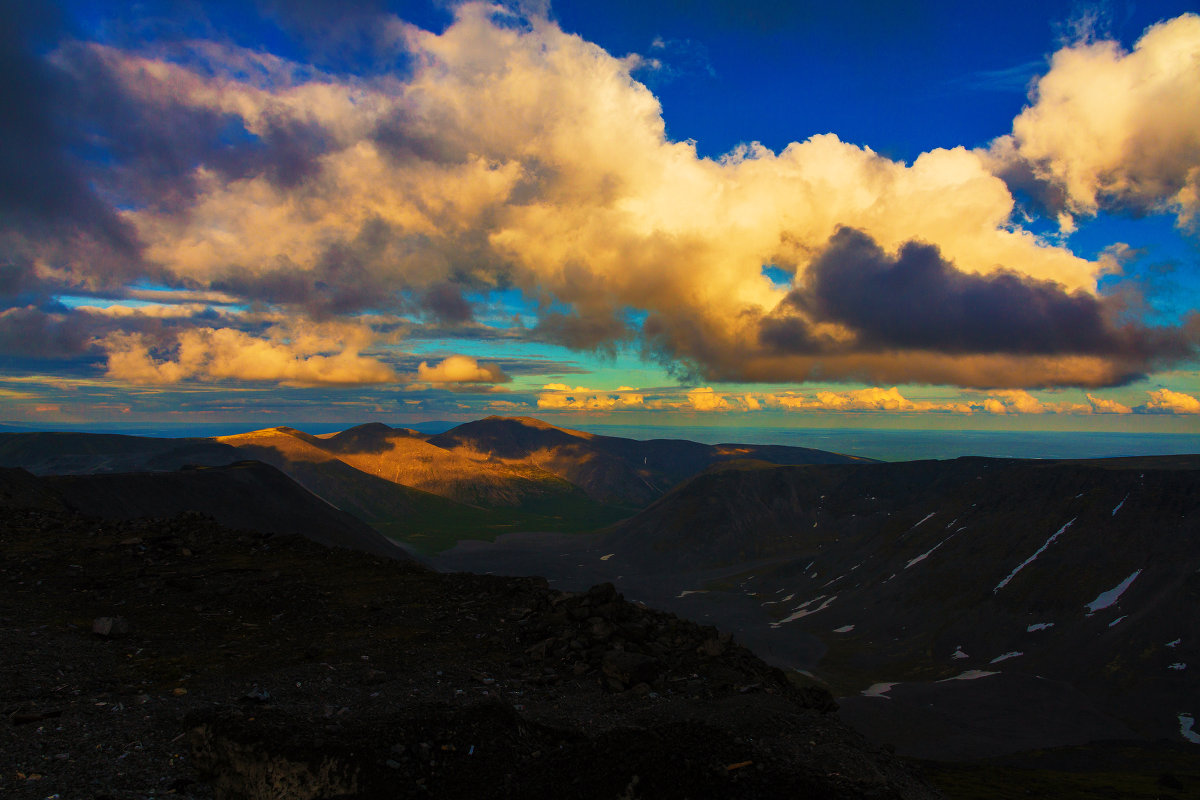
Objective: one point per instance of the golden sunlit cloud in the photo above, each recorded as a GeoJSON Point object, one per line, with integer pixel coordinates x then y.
{"type": "Point", "coordinates": [323, 355]}
{"type": "Point", "coordinates": [1166, 401]}
{"type": "Point", "coordinates": [519, 154]}
{"type": "Point", "coordinates": [461, 369]}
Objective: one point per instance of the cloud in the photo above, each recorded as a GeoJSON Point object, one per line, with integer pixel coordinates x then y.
{"type": "Point", "coordinates": [510, 154]}
{"type": "Point", "coordinates": [1101, 405]}
{"type": "Point", "coordinates": [561, 397]}
{"type": "Point", "coordinates": [461, 369]}
{"type": "Point", "coordinates": [870, 399]}
{"type": "Point", "coordinates": [1167, 401]}
{"type": "Point", "coordinates": [315, 357]}
{"type": "Point", "coordinates": [858, 299]}
{"type": "Point", "coordinates": [1109, 129]}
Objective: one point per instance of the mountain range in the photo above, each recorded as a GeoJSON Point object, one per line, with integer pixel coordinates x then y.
{"type": "Point", "coordinates": [961, 610]}
{"type": "Point", "coordinates": [479, 480]}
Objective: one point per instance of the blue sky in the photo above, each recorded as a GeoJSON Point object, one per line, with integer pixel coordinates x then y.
{"type": "Point", "coordinates": [934, 215]}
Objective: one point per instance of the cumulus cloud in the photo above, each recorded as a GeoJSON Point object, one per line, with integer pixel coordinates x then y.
{"type": "Point", "coordinates": [1167, 401]}
{"type": "Point", "coordinates": [1109, 129]}
{"type": "Point", "coordinates": [561, 397]}
{"type": "Point", "coordinates": [298, 358]}
{"type": "Point", "coordinates": [1102, 405]}
{"type": "Point", "coordinates": [512, 154]}
{"type": "Point", "coordinates": [873, 399]}
{"type": "Point", "coordinates": [461, 369]}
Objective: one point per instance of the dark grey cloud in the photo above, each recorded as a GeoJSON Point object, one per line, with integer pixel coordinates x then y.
{"type": "Point", "coordinates": [44, 189]}
{"type": "Point", "coordinates": [917, 300]}
{"type": "Point", "coordinates": [600, 330]}
{"type": "Point", "coordinates": [445, 303]}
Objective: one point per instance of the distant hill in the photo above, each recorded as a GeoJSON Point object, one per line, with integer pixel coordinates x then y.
{"type": "Point", "coordinates": [611, 469]}
{"type": "Point", "coordinates": [65, 453]}
{"type": "Point", "coordinates": [1082, 573]}
{"type": "Point", "coordinates": [247, 495]}
{"type": "Point", "coordinates": [481, 479]}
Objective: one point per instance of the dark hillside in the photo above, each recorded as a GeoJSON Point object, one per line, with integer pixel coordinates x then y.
{"type": "Point", "coordinates": [231, 664]}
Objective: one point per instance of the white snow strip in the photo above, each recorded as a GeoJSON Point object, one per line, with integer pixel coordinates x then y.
{"type": "Point", "coordinates": [1174, 643]}
{"type": "Point", "coordinates": [607, 557]}
{"type": "Point", "coordinates": [927, 553]}
{"type": "Point", "coordinates": [804, 612]}
{"type": "Point", "coordinates": [781, 600]}
{"type": "Point", "coordinates": [1030, 560]}
{"type": "Point", "coordinates": [1106, 599]}
{"type": "Point", "coordinates": [1039, 626]}
{"type": "Point", "coordinates": [878, 690]}
{"type": "Point", "coordinates": [1115, 621]}
{"type": "Point", "coordinates": [835, 580]}
{"type": "Point", "coordinates": [1006, 656]}
{"type": "Point", "coordinates": [958, 653]}
{"type": "Point", "coordinates": [844, 629]}
{"type": "Point", "coordinates": [1118, 508]}
{"type": "Point", "coordinates": [686, 592]}
{"type": "Point", "coordinates": [926, 519]}
{"type": "Point", "coordinates": [1178, 665]}
{"type": "Point", "coordinates": [969, 675]}
{"type": "Point", "coordinates": [1185, 728]}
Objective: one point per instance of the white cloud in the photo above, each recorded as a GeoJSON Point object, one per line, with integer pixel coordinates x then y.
{"type": "Point", "coordinates": [1111, 130]}
{"type": "Point", "coordinates": [526, 155]}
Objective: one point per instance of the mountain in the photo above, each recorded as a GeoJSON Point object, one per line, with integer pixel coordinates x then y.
{"type": "Point", "coordinates": [64, 453]}
{"type": "Point", "coordinates": [246, 495]}
{"type": "Point", "coordinates": [1078, 580]}
{"type": "Point", "coordinates": [610, 469]}
{"type": "Point", "coordinates": [479, 480]}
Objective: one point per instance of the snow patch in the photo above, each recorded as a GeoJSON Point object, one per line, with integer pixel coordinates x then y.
{"type": "Point", "coordinates": [878, 690]}
{"type": "Point", "coordinates": [686, 592]}
{"type": "Point", "coordinates": [969, 675]}
{"type": "Point", "coordinates": [1030, 560]}
{"type": "Point", "coordinates": [1178, 665]}
{"type": "Point", "coordinates": [927, 553]}
{"type": "Point", "coordinates": [1115, 621]}
{"type": "Point", "coordinates": [1109, 598]}
{"type": "Point", "coordinates": [1039, 626]}
{"type": "Point", "coordinates": [924, 520]}
{"type": "Point", "coordinates": [844, 629]}
{"type": "Point", "coordinates": [1006, 656]}
{"type": "Point", "coordinates": [1185, 728]}
{"type": "Point", "coordinates": [1118, 508]}
{"type": "Point", "coordinates": [958, 653]}
{"type": "Point", "coordinates": [804, 612]}
{"type": "Point", "coordinates": [607, 557]}
{"type": "Point", "coordinates": [1174, 643]}
{"type": "Point", "coordinates": [781, 600]}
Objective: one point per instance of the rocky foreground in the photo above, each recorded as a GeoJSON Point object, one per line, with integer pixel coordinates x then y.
{"type": "Point", "coordinates": [148, 658]}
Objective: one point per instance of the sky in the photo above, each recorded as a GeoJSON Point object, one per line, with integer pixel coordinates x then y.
{"type": "Point", "coordinates": [868, 214]}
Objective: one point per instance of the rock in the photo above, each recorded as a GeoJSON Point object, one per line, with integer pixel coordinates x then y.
{"type": "Point", "coordinates": [110, 627]}
{"type": "Point", "coordinates": [630, 669]}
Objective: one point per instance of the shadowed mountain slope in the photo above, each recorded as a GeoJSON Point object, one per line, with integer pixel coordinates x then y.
{"type": "Point", "coordinates": [65, 453]}
{"type": "Point", "coordinates": [1083, 573]}
{"type": "Point", "coordinates": [247, 495]}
